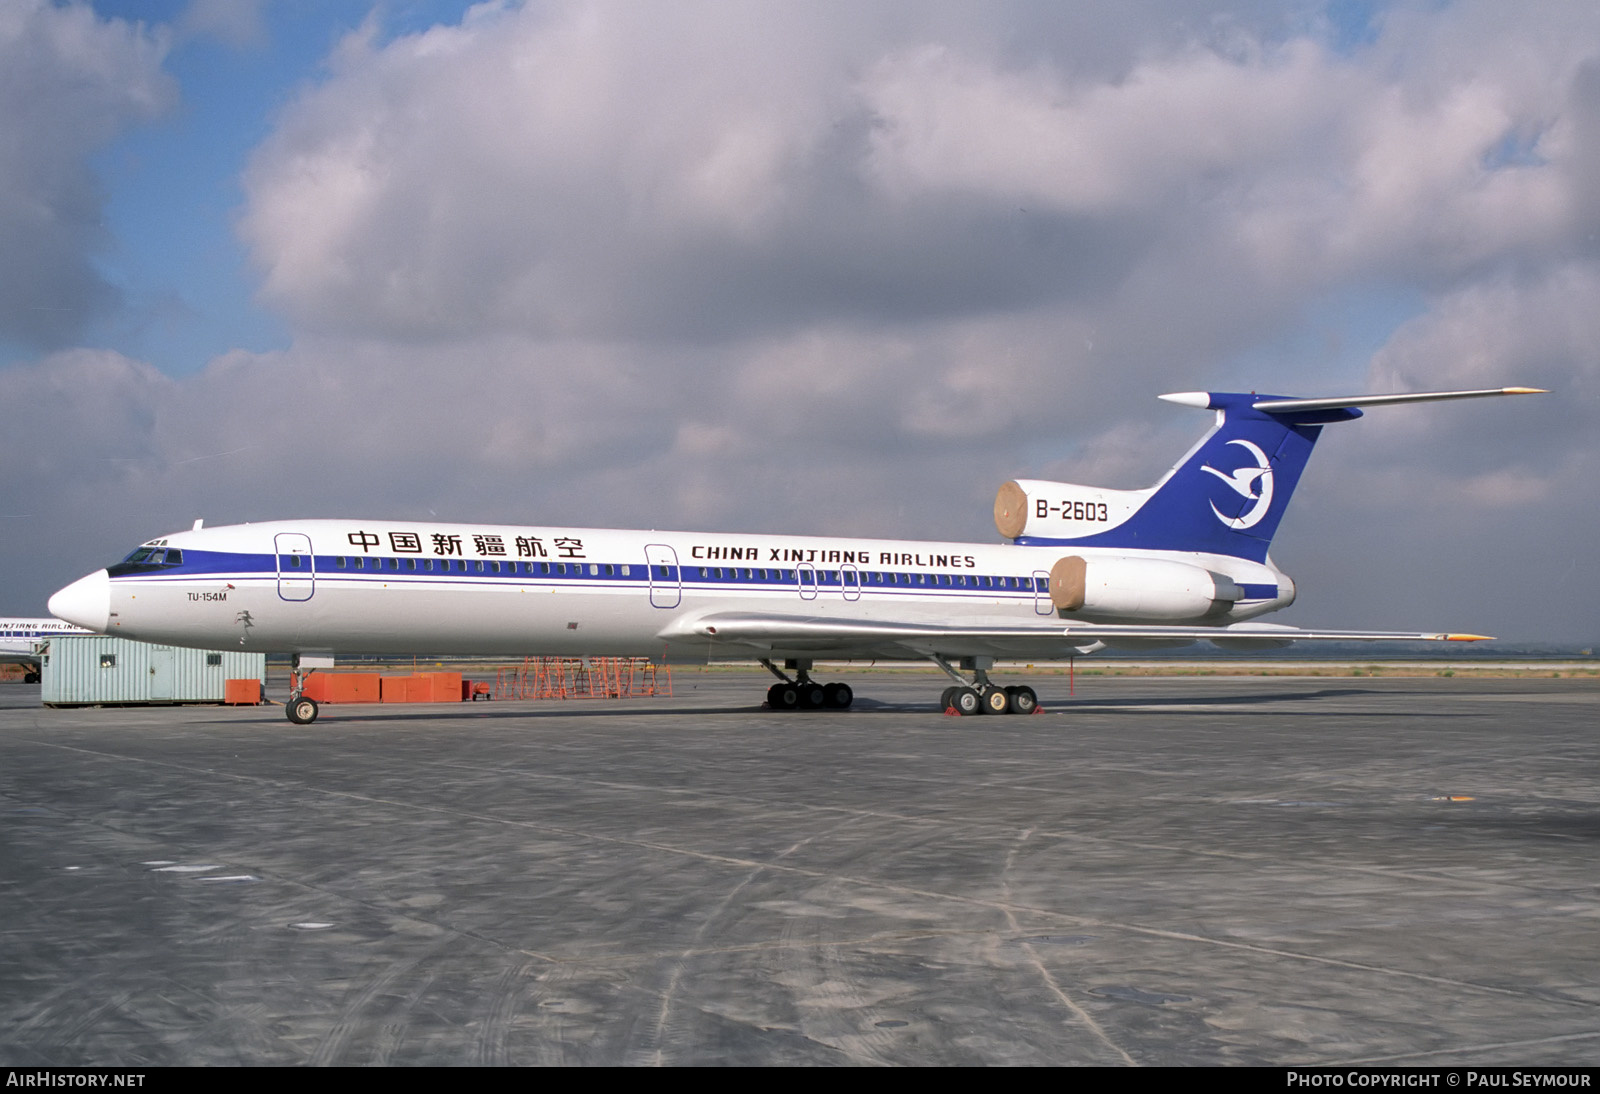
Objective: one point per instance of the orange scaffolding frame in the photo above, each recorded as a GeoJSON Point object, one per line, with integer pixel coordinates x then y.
{"type": "Point", "coordinates": [583, 678]}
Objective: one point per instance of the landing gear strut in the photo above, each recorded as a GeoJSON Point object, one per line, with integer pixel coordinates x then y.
{"type": "Point", "coordinates": [803, 693]}
{"type": "Point", "coordinates": [300, 709]}
{"type": "Point", "coordinates": [981, 696]}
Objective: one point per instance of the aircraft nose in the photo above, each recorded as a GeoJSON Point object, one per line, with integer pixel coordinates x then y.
{"type": "Point", "coordinates": [86, 602]}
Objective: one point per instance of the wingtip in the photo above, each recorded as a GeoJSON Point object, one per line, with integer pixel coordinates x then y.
{"type": "Point", "coordinates": [1469, 638]}
{"type": "Point", "coordinates": [1525, 391]}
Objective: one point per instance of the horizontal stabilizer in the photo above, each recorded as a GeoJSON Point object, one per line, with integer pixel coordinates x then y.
{"type": "Point", "coordinates": [1205, 400]}
{"type": "Point", "coordinates": [1279, 406]}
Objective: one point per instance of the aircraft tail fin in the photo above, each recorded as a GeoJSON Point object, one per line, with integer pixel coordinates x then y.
{"type": "Point", "coordinates": [1225, 496]}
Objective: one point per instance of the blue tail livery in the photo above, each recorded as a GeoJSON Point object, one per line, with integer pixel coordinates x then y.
{"type": "Point", "coordinates": [1226, 496]}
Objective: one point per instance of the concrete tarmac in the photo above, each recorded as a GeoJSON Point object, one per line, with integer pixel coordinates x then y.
{"type": "Point", "coordinates": [1152, 871]}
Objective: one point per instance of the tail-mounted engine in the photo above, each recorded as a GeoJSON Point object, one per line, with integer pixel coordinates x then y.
{"type": "Point", "coordinates": [1143, 589]}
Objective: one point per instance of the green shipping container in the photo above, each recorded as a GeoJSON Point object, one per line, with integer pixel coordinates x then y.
{"type": "Point", "coordinates": [86, 671]}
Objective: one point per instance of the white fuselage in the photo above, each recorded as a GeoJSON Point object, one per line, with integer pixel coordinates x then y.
{"type": "Point", "coordinates": [346, 587]}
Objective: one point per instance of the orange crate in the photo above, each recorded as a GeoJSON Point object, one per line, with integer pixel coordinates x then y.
{"type": "Point", "coordinates": [446, 686]}
{"type": "Point", "coordinates": [241, 693]}
{"type": "Point", "coordinates": [353, 687]}
{"type": "Point", "coordinates": [341, 687]}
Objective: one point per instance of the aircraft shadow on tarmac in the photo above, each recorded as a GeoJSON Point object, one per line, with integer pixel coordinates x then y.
{"type": "Point", "coordinates": [1248, 699]}
{"type": "Point", "coordinates": [862, 705]}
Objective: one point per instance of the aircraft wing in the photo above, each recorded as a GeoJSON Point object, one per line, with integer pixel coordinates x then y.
{"type": "Point", "coordinates": [769, 634]}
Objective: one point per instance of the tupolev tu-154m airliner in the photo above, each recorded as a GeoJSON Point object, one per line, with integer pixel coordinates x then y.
{"type": "Point", "coordinates": [1081, 569]}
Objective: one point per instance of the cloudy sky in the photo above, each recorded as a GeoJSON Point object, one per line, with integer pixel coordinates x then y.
{"type": "Point", "coordinates": [809, 267]}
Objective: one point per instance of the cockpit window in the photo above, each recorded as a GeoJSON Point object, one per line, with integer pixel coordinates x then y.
{"type": "Point", "coordinates": [144, 560]}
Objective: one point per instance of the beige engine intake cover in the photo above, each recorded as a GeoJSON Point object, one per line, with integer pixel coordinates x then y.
{"type": "Point", "coordinates": [1067, 581]}
{"type": "Point", "coordinates": [1011, 510]}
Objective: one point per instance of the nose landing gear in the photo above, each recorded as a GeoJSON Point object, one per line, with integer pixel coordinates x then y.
{"type": "Point", "coordinates": [300, 709]}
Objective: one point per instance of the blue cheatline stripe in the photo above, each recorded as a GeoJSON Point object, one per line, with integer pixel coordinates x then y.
{"type": "Point", "coordinates": [584, 582]}
{"type": "Point", "coordinates": [223, 565]}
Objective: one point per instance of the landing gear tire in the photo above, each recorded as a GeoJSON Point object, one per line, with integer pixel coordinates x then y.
{"type": "Point", "coordinates": [838, 696]}
{"type": "Point", "coordinates": [812, 697]}
{"type": "Point", "coordinates": [301, 711]}
{"type": "Point", "coordinates": [967, 702]}
{"type": "Point", "coordinates": [948, 699]}
{"type": "Point", "coordinates": [783, 697]}
{"type": "Point", "coordinates": [30, 678]}
{"type": "Point", "coordinates": [996, 701]}
{"type": "Point", "coordinates": [1023, 700]}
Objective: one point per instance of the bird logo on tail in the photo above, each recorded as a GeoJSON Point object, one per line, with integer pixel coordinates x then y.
{"type": "Point", "coordinates": [1251, 482]}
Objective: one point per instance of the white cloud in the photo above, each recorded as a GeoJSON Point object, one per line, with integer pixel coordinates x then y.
{"type": "Point", "coordinates": [69, 82]}
{"type": "Point", "coordinates": [236, 22]}
{"type": "Point", "coordinates": [953, 122]}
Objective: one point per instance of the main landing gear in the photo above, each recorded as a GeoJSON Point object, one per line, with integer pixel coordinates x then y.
{"type": "Point", "coordinates": [802, 693]}
{"type": "Point", "coordinates": [981, 696]}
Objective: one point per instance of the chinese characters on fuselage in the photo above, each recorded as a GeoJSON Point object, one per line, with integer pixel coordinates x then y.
{"type": "Point", "coordinates": [484, 545]}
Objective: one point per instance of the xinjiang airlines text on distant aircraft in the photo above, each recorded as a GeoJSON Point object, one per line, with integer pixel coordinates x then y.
{"type": "Point", "coordinates": [22, 642]}
{"type": "Point", "coordinates": [1082, 569]}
